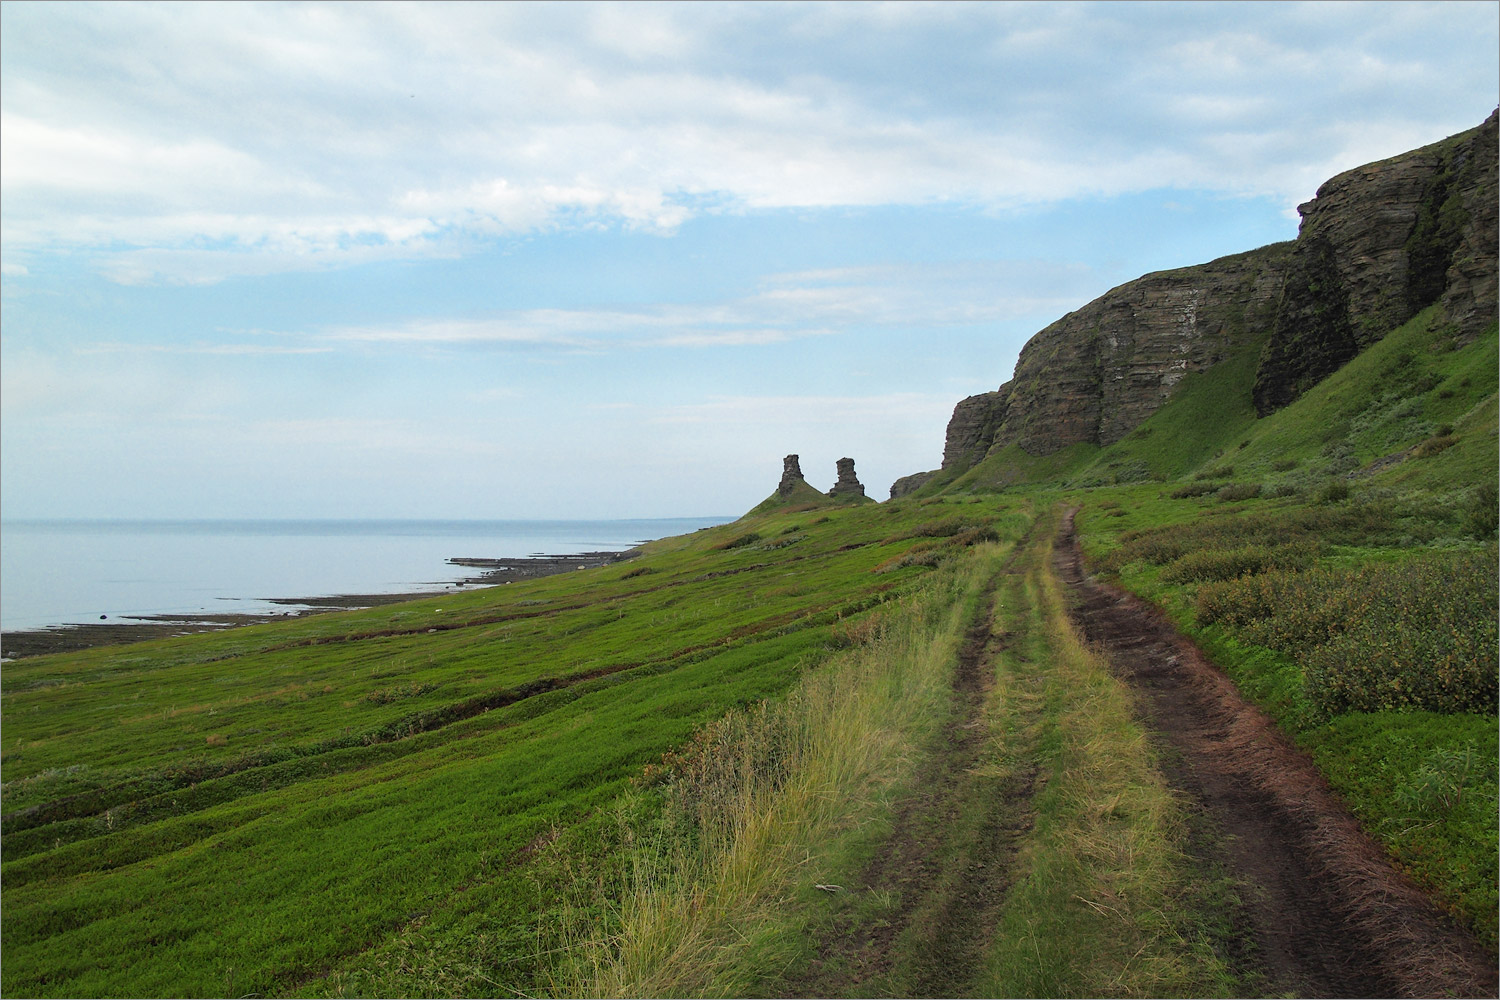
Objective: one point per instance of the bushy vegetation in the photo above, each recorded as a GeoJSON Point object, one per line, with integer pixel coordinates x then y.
{"type": "Point", "coordinates": [1417, 635]}
{"type": "Point", "coordinates": [1227, 564]}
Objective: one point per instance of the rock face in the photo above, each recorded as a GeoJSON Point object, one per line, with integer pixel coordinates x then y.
{"type": "Point", "coordinates": [972, 429]}
{"type": "Point", "coordinates": [848, 484]}
{"type": "Point", "coordinates": [1376, 245]}
{"type": "Point", "coordinates": [791, 475]}
{"type": "Point", "coordinates": [910, 484]}
{"type": "Point", "coordinates": [1095, 374]}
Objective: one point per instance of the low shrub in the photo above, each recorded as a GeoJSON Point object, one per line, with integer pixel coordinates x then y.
{"type": "Point", "coordinates": [917, 555]}
{"type": "Point", "coordinates": [1239, 491]}
{"type": "Point", "coordinates": [1222, 472]}
{"type": "Point", "coordinates": [948, 527]}
{"type": "Point", "coordinates": [1284, 464]}
{"type": "Point", "coordinates": [398, 693]}
{"type": "Point", "coordinates": [1433, 445]}
{"type": "Point", "coordinates": [974, 536]}
{"type": "Point", "coordinates": [1359, 523]}
{"type": "Point", "coordinates": [1416, 635]}
{"type": "Point", "coordinates": [631, 574]}
{"type": "Point", "coordinates": [746, 539]}
{"type": "Point", "coordinates": [1193, 490]}
{"type": "Point", "coordinates": [1208, 565]}
{"type": "Point", "coordinates": [1482, 512]}
{"type": "Point", "coordinates": [1333, 491]}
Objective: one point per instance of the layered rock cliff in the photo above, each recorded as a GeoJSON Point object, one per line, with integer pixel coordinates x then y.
{"type": "Point", "coordinates": [1376, 245]}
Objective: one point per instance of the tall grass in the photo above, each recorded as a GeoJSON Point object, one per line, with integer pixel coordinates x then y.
{"type": "Point", "coordinates": [1105, 903]}
{"type": "Point", "coordinates": [749, 808]}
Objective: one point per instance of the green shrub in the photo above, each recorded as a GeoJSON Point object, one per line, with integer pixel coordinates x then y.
{"type": "Point", "coordinates": [946, 528]}
{"type": "Point", "coordinates": [974, 536]}
{"type": "Point", "coordinates": [1433, 445]}
{"type": "Point", "coordinates": [1482, 514]}
{"type": "Point", "coordinates": [1239, 491]}
{"type": "Point", "coordinates": [1333, 491]}
{"type": "Point", "coordinates": [1227, 564]}
{"type": "Point", "coordinates": [1416, 635]}
{"type": "Point", "coordinates": [1284, 464]}
{"type": "Point", "coordinates": [741, 541]}
{"type": "Point", "coordinates": [1193, 490]}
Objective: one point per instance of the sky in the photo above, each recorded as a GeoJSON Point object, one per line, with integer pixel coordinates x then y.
{"type": "Point", "coordinates": [616, 260]}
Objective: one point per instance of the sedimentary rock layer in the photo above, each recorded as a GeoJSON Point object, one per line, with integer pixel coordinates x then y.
{"type": "Point", "coordinates": [1376, 245]}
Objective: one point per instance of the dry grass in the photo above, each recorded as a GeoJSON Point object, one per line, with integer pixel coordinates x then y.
{"type": "Point", "coordinates": [1103, 875]}
{"type": "Point", "coordinates": [766, 791]}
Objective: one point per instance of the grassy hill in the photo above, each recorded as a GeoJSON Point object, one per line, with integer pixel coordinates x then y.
{"type": "Point", "coordinates": [654, 777]}
{"type": "Point", "coordinates": [633, 779]}
{"type": "Point", "coordinates": [277, 807]}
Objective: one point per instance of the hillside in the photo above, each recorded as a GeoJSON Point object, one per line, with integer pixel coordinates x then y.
{"type": "Point", "coordinates": [1165, 685]}
{"type": "Point", "coordinates": [1377, 245]}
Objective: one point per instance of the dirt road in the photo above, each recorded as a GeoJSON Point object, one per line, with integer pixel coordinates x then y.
{"type": "Point", "coordinates": [1322, 912]}
{"type": "Point", "coordinates": [1326, 912]}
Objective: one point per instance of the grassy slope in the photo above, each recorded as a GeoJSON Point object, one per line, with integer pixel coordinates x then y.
{"type": "Point", "coordinates": [364, 802]}
{"type": "Point", "coordinates": [1409, 427]}
{"type": "Point", "coordinates": [255, 810]}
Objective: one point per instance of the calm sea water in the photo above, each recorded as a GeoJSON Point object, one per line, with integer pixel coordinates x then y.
{"type": "Point", "coordinates": [71, 572]}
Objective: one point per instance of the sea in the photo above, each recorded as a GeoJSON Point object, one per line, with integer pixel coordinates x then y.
{"type": "Point", "coordinates": [69, 572]}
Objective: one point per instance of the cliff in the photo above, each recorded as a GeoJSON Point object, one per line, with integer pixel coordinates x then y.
{"type": "Point", "coordinates": [1376, 245]}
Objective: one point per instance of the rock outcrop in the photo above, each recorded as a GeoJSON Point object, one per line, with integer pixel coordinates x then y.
{"type": "Point", "coordinates": [1376, 245]}
{"type": "Point", "coordinates": [910, 484]}
{"type": "Point", "coordinates": [848, 484]}
{"type": "Point", "coordinates": [972, 429]}
{"type": "Point", "coordinates": [1097, 373]}
{"type": "Point", "coordinates": [791, 475]}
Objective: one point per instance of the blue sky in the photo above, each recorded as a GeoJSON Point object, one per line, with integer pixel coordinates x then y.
{"type": "Point", "coordinates": [577, 260]}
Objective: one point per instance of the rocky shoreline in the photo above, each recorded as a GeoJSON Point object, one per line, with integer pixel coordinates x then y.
{"type": "Point", "coordinates": [69, 638]}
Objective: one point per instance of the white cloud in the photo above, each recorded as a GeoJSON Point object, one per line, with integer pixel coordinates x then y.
{"type": "Point", "coordinates": [187, 144]}
{"type": "Point", "coordinates": [791, 305]}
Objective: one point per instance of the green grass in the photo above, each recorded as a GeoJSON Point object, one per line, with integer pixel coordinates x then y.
{"type": "Point", "coordinates": [1105, 874]}
{"type": "Point", "coordinates": [747, 847]}
{"type": "Point", "coordinates": [287, 801]}
{"type": "Point", "coordinates": [458, 795]}
{"type": "Point", "coordinates": [1376, 518]}
{"type": "Point", "coordinates": [1208, 414]}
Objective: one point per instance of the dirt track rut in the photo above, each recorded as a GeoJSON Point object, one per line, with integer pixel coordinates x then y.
{"type": "Point", "coordinates": [948, 861]}
{"type": "Point", "coordinates": [1326, 912]}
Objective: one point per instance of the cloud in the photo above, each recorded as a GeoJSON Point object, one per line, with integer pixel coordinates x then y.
{"type": "Point", "coordinates": [188, 144]}
{"type": "Point", "coordinates": [789, 306]}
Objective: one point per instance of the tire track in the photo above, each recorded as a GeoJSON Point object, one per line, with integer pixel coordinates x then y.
{"type": "Point", "coordinates": [949, 859]}
{"type": "Point", "coordinates": [1326, 912]}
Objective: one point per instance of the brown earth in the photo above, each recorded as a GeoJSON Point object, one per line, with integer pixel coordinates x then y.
{"type": "Point", "coordinates": [1327, 913]}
